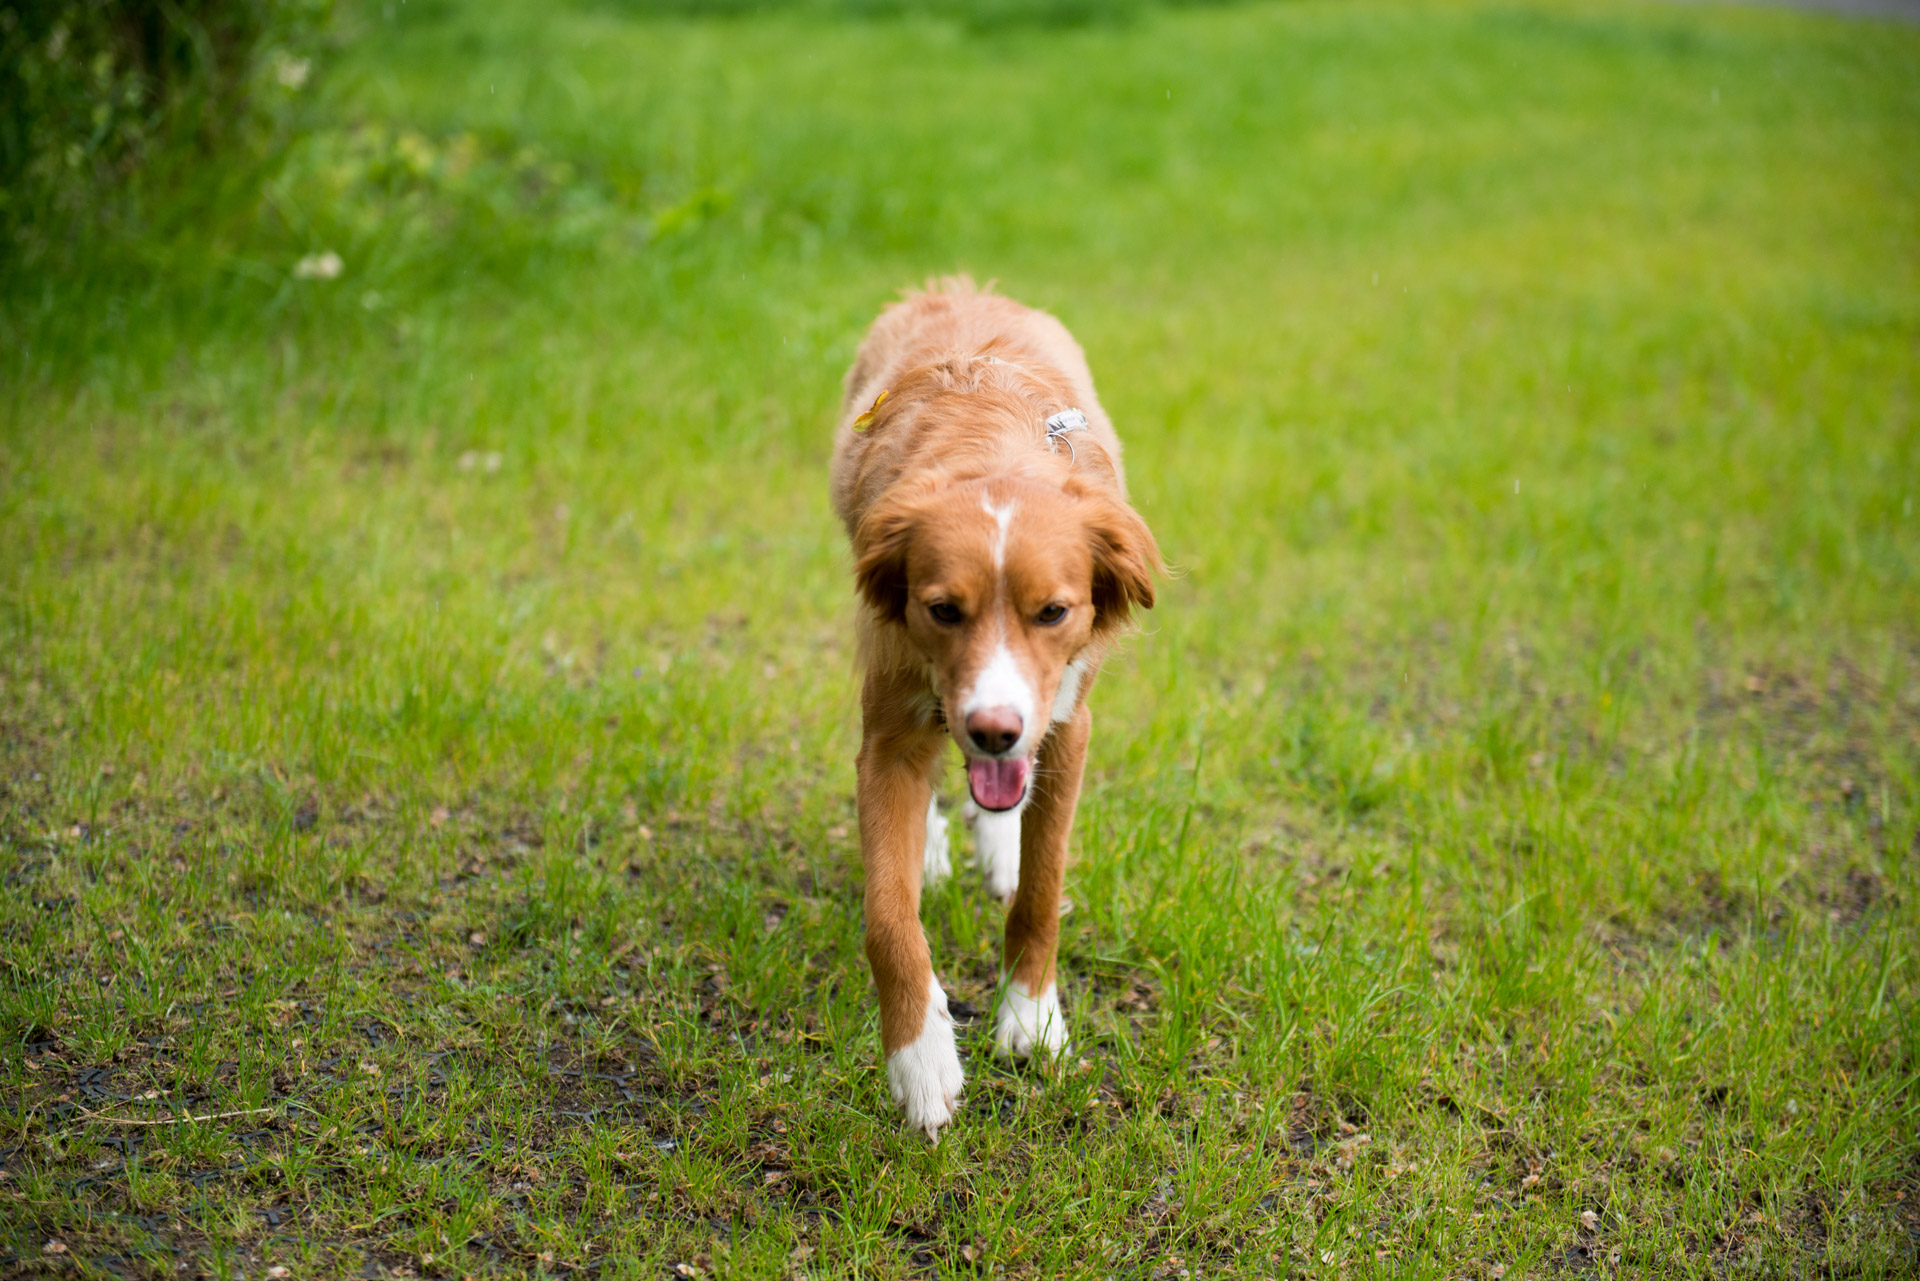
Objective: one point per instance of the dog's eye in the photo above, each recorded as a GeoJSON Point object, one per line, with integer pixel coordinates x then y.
{"type": "Point", "coordinates": [945, 612]}
{"type": "Point", "coordinates": [1050, 615]}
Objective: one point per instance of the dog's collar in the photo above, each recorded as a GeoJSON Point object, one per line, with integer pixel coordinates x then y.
{"type": "Point", "coordinates": [1059, 426]}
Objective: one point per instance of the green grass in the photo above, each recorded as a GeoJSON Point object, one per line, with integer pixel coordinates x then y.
{"type": "Point", "coordinates": [427, 696]}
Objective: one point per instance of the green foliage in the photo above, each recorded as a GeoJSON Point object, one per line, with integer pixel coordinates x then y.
{"type": "Point", "coordinates": [97, 90]}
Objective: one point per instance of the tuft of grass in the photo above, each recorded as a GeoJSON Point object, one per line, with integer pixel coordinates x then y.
{"type": "Point", "coordinates": [427, 686]}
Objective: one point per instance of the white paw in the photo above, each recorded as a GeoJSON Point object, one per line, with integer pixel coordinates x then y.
{"type": "Point", "coordinates": [1025, 1024]}
{"type": "Point", "coordinates": [996, 848]}
{"type": "Point", "coordinates": [937, 864]}
{"type": "Point", "coordinates": [924, 1076]}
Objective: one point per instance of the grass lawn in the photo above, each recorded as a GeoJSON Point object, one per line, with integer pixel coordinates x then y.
{"type": "Point", "coordinates": [427, 700]}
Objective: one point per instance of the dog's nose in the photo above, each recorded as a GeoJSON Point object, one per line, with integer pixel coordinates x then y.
{"type": "Point", "coordinates": [994, 729]}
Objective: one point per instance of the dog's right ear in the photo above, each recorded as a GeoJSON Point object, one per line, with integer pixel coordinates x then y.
{"type": "Point", "coordinates": [880, 549]}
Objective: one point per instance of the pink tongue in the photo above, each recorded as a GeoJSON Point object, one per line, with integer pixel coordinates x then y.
{"type": "Point", "coordinates": [997, 785]}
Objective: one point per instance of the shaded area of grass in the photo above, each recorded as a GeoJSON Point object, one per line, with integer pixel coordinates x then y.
{"type": "Point", "coordinates": [428, 700]}
{"type": "Point", "coordinates": [107, 102]}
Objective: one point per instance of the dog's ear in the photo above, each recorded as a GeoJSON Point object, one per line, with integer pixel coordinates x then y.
{"type": "Point", "coordinates": [1125, 559]}
{"type": "Point", "coordinates": [880, 549]}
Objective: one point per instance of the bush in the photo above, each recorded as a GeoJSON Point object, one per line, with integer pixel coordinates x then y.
{"type": "Point", "coordinates": [97, 90]}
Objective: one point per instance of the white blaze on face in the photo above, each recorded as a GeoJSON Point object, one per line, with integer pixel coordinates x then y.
{"type": "Point", "coordinates": [1002, 514]}
{"type": "Point", "coordinates": [1001, 683]}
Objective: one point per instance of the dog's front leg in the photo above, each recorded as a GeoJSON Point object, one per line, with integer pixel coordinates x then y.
{"type": "Point", "coordinates": [923, 1064]}
{"type": "Point", "coordinates": [1030, 1017]}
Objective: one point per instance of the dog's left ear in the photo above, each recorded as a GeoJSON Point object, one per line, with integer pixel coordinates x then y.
{"type": "Point", "coordinates": [1125, 559]}
{"type": "Point", "coordinates": [880, 549]}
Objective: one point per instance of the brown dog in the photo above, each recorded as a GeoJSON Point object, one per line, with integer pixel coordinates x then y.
{"type": "Point", "coordinates": [998, 560]}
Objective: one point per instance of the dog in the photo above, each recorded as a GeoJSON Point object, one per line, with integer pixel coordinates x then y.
{"type": "Point", "coordinates": [997, 561]}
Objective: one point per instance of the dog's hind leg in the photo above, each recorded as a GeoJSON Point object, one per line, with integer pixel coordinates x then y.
{"type": "Point", "coordinates": [996, 846]}
{"type": "Point", "coordinates": [937, 860]}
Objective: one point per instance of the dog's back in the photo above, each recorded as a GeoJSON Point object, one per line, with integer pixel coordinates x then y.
{"type": "Point", "coordinates": [954, 316]}
{"type": "Point", "coordinates": [967, 339]}
{"type": "Point", "coordinates": [997, 561]}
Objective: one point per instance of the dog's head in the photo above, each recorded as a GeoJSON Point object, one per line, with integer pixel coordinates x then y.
{"type": "Point", "coordinates": [1006, 588]}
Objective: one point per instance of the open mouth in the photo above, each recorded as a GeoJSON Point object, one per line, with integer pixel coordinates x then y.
{"type": "Point", "coordinates": [998, 784]}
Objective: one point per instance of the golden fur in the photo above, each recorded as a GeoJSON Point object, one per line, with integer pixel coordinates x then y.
{"type": "Point", "coordinates": [988, 558]}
